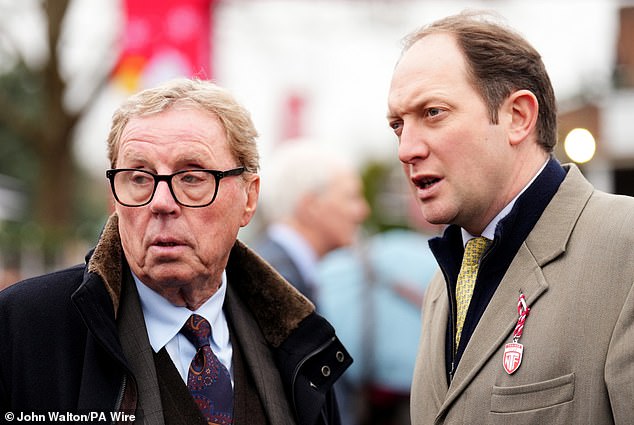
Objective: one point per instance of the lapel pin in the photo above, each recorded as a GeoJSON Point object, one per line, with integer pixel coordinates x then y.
{"type": "Point", "coordinates": [513, 351]}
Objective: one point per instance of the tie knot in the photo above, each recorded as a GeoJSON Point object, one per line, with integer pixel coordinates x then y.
{"type": "Point", "coordinates": [197, 330]}
{"type": "Point", "coordinates": [474, 249]}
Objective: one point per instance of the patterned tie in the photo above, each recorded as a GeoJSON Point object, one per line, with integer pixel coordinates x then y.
{"type": "Point", "coordinates": [467, 279]}
{"type": "Point", "coordinates": [208, 380]}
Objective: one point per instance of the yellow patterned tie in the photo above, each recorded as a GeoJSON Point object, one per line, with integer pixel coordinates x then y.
{"type": "Point", "coordinates": [467, 279]}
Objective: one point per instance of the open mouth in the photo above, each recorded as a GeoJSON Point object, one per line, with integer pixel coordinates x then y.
{"type": "Point", "coordinates": [425, 182]}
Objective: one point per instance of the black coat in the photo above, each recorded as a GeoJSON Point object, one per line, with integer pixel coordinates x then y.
{"type": "Point", "coordinates": [60, 349]}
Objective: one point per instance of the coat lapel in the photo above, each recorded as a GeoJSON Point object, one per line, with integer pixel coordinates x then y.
{"type": "Point", "coordinates": [498, 321]}
{"type": "Point", "coordinates": [438, 308]}
{"type": "Point", "coordinates": [545, 243]}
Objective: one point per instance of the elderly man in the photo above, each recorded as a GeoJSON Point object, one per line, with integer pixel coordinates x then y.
{"type": "Point", "coordinates": [314, 204]}
{"type": "Point", "coordinates": [171, 319]}
{"type": "Point", "coordinates": [531, 319]}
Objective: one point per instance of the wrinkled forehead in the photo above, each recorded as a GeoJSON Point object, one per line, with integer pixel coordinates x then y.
{"type": "Point", "coordinates": [192, 134]}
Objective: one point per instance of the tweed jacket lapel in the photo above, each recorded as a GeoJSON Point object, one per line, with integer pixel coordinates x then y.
{"type": "Point", "coordinates": [259, 360]}
{"type": "Point", "coordinates": [138, 352]}
{"type": "Point", "coordinates": [546, 242]}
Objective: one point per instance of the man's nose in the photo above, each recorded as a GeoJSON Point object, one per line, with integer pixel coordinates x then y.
{"type": "Point", "coordinates": [163, 200]}
{"type": "Point", "coordinates": [412, 144]}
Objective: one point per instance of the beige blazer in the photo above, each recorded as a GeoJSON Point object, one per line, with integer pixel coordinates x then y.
{"type": "Point", "coordinates": [576, 269]}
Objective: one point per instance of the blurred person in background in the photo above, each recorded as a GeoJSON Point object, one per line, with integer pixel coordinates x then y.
{"type": "Point", "coordinates": [532, 319]}
{"type": "Point", "coordinates": [312, 203]}
{"type": "Point", "coordinates": [372, 293]}
{"type": "Point", "coordinates": [172, 319]}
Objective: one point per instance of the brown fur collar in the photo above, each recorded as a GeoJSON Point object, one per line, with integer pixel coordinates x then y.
{"type": "Point", "coordinates": [276, 305]}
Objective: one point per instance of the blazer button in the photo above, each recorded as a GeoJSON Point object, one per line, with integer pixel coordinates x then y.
{"type": "Point", "coordinates": [325, 370]}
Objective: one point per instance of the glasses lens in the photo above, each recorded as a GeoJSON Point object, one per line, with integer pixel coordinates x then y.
{"type": "Point", "coordinates": [133, 187]}
{"type": "Point", "coordinates": [191, 188]}
{"type": "Point", "coordinates": [194, 188]}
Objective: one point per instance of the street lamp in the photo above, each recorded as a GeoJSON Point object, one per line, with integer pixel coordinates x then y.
{"type": "Point", "coordinates": [580, 145]}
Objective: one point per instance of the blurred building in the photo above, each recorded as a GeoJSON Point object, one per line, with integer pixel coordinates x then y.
{"type": "Point", "coordinates": [609, 117]}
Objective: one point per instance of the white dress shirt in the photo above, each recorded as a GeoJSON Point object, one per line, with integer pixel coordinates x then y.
{"type": "Point", "coordinates": [164, 321]}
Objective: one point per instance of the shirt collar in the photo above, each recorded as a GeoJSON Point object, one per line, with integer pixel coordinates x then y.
{"type": "Point", "coordinates": [164, 320]}
{"type": "Point", "coordinates": [489, 231]}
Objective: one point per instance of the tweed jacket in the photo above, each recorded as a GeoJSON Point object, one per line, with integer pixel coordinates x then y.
{"type": "Point", "coordinates": [63, 348]}
{"type": "Point", "coordinates": [576, 269]}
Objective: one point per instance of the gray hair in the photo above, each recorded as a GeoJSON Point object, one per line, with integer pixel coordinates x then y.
{"type": "Point", "coordinates": [200, 94]}
{"type": "Point", "coordinates": [295, 169]}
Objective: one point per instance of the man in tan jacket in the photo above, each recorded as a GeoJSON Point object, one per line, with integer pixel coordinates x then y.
{"type": "Point", "coordinates": [539, 327]}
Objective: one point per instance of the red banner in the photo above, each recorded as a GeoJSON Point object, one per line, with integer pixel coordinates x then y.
{"type": "Point", "coordinates": [163, 39]}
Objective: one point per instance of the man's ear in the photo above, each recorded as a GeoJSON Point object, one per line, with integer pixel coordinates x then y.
{"type": "Point", "coordinates": [253, 192]}
{"type": "Point", "coordinates": [522, 109]}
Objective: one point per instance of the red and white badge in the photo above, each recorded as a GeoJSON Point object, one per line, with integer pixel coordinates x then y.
{"type": "Point", "coordinates": [512, 356]}
{"type": "Point", "coordinates": [513, 351]}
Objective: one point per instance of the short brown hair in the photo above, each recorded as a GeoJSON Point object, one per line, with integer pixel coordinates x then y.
{"type": "Point", "coordinates": [499, 61]}
{"type": "Point", "coordinates": [202, 94]}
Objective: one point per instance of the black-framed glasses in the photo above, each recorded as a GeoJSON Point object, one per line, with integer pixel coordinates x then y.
{"type": "Point", "coordinates": [190, 188]}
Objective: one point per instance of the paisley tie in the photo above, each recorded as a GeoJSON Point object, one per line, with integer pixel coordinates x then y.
{"type": "Point", "coordinates": [208, 379]}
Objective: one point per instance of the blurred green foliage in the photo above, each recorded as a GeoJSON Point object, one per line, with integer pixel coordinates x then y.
{"type": "Point", "coordinates": [17, 159]}
{"type": "Point", "coordinates": [22, 88]}
{"type": "Point", "coordinates": [385, 191]}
